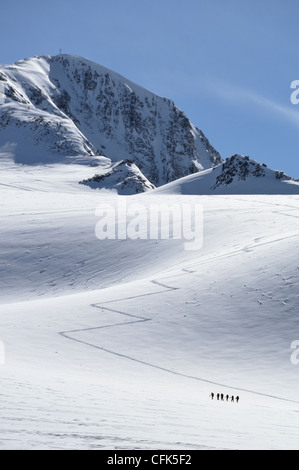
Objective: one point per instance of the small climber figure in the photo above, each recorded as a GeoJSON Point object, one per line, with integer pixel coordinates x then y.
{"type": "Point", "coordinates": [227, 397]}
{"type": "Point", "coordinates": [212, 396]}
{"type": "Point", "coordinates": [237, 399]}
{"type": "Point", "coordinates": [218, 396]}
{"type": "Point", "coordinates": [222, 397]}
{"type": "Point", "coordinates": [233, 398]}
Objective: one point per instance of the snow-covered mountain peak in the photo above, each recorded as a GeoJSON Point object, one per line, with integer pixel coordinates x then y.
{"type": "Point", "coordinates": [65, 106]}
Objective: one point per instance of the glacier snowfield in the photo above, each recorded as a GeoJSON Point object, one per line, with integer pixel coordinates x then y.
{"type": "Point", "coordinates": [117, 344]}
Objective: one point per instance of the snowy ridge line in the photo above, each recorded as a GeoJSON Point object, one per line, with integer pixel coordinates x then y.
{"type": "Point", "coordinates": [139, 319]}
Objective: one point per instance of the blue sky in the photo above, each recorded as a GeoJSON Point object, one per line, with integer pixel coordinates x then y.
{"type": "Point", "coordinates": [228, 64]}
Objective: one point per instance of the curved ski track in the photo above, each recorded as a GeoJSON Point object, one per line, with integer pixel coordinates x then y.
{"type": "Point", "coordinates": [140, 319]}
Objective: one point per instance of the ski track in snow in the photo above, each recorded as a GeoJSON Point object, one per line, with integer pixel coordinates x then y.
{"type": "Point", "coordinates": [167, 288]}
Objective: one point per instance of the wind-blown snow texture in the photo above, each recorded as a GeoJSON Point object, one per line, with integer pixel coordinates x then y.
{"type": "Point", "coordinates": [68, 106]}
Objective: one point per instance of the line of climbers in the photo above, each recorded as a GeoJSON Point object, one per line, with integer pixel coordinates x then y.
{"type": "Point", "coordinates": [221, 397]}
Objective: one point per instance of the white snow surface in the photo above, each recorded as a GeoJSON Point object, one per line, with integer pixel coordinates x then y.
{"type": "Point", "coordinates": [117, 344]}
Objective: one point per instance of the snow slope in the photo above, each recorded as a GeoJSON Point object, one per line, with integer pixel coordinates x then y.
{"type": "Point", "coordinates": [118, 343]}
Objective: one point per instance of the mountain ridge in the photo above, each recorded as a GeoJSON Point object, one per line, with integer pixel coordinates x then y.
{"type": "Point", "coordinates": [238, 174]}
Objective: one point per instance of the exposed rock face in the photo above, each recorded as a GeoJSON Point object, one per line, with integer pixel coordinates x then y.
{"type": "Point", "coordinates": [239, 168]}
